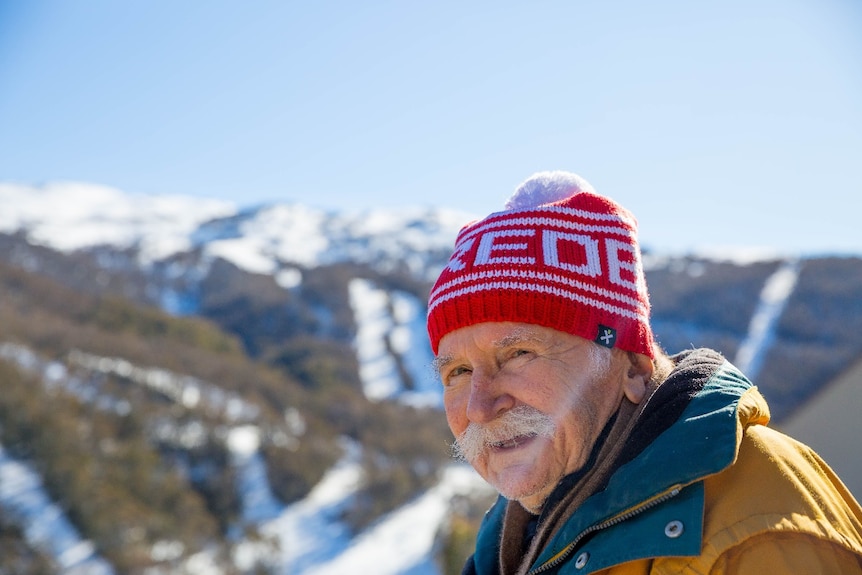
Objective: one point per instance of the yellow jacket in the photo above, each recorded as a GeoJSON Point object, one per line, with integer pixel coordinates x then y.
{"type": "Point", "coordinates": [778, 508]}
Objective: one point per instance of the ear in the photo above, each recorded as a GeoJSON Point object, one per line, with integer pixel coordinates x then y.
{"type": "Point", "coordinates": [636, 381]}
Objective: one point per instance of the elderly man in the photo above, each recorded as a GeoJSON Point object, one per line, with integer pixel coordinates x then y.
{"type": "Point", "coordinates": [610, 456]}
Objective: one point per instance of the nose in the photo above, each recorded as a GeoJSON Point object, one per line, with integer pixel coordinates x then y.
{"type": "Point", "coordinates": [488, 400]}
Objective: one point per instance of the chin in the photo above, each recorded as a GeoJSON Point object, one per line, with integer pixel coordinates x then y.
{"type": "Point", "coordinates": [525, 491]}
{"type": "Point", "coordinates": [519, 478]}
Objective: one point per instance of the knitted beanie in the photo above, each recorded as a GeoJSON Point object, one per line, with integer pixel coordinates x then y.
{"type": "Point", "coordinates": [559, 256]}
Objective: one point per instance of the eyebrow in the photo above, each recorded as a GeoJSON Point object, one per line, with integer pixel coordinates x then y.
{"type": "Point", "coordinates": [441, 361]}
{"type": "Point", "coordinates": [517, 337]}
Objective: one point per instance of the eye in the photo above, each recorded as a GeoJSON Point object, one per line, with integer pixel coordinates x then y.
{"type": "Point", "coordinates": [451, 376]}
{"type": "Point", "coordinates": [520, 353]}
{"type": "Point", "coordinates": [516, 358]}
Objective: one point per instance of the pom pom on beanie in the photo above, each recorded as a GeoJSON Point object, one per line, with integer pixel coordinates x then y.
{"type": "Point", "coordinates": [545, 188]}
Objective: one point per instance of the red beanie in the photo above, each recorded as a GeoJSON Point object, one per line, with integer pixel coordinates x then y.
{"type": "Point", "coordinates": [560, 256]}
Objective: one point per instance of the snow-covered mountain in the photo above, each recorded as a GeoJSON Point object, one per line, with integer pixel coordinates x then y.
{"type": "Point", "coordinates": [172, 243]}
{"type": "Point", "coordinates": [280, 240]}
{"type": "Point", "coordinates": [273, 239]}
{"type": "Point", "coordinates": [288, 280]}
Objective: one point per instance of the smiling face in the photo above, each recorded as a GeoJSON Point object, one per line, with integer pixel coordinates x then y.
{"type": "Point", "coordinates": [496, 374]}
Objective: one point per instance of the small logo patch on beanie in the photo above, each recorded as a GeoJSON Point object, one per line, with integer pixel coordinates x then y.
{"type": "Point", "coordinates": [607, 336]}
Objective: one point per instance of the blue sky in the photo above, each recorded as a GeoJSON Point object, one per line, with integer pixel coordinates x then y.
{"type": "Point", "coordinates": [719, 124]}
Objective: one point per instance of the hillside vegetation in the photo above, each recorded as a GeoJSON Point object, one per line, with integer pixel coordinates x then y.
{"type": "Point", "coordinates": [135, 464]}
{"type": "Point", "coordinates": [127, 411]}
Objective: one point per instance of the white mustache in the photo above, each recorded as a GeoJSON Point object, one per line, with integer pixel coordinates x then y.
{"type": "Point", "coordinates": [518, 422]}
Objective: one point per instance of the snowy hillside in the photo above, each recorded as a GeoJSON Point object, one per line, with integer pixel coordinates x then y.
{"type": "Point", "coordinates": [276, 240]}
{"type": "Point", "coordinates": [284, 242]}
{"type": "Point", "coordinates": [335, 303]}
{"type": "Point", "coordinates": [301, 538]}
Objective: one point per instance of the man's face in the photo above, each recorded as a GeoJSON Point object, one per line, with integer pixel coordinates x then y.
{"type": "Point", "coordinates": [491, 372]}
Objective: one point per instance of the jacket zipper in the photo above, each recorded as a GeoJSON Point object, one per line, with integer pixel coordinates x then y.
{"type": "Point", "coordinates": [615, 520]}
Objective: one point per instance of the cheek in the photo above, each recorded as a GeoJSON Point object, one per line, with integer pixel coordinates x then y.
{"type": "Point", "coordinates": [548, 397]}
{"type": "Point", "coordinates": [456, 415]}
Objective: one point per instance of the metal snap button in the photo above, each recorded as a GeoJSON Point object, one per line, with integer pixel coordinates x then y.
{"type": "Point", "coordinates": [674, 529]}
{"type": "Point", "coordinates": [582, 559]}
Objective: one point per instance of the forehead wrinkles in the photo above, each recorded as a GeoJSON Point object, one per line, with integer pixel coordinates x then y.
{"type": "Point", "coordinates": [518, 336]}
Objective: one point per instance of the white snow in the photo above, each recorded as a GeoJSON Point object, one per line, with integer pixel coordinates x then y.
{"type": "Point", "coordinates": [69, 216]}
{"type": "Point", "coordinates": [244, 252]}
{"type": "Point", "coordinates": [400, 318]}
{"type": "Point", "coordinates": [309, 532]}
{"type": "Point", "coordinates": [401, 543]}
{"type": "Point", "coordinates": [272, 239]}
{"type": "Point", "coordinates": [311, 540]}
{"type": "Point", "coordinates": [734, 255]}
{"type": "Point", "coordinates": [258, 501]}
{"type": "Point", "coordinates": [288, 278]}
{"type": "Point", "coordinates": [409, 338]}
{"type": "Point", "coordinates": [185, 390]}
{"type": "Point", "coordinates": [46, 527]}
{"type": "Point", "coordinates": [761, 330]}
{"type": "Point", "coordinates": [244, 441]}
{"type": "Point", "coordinates": [377, 369]}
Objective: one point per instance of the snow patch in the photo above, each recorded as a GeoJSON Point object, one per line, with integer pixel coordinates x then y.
{"type": "Point", "coordinates": [46, 527]}
{"type": "Point", "coordinates": [407, 535]}
{"type": "Point", "coordinates": [761, 330]}
{"type": "Point", "coordinates": [396, 319]}
{"type": "Point", "coordinates": [310, 532]}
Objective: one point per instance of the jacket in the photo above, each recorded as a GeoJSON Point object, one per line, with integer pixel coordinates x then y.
{"type": "Point", "coordinates": [714, 490]}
